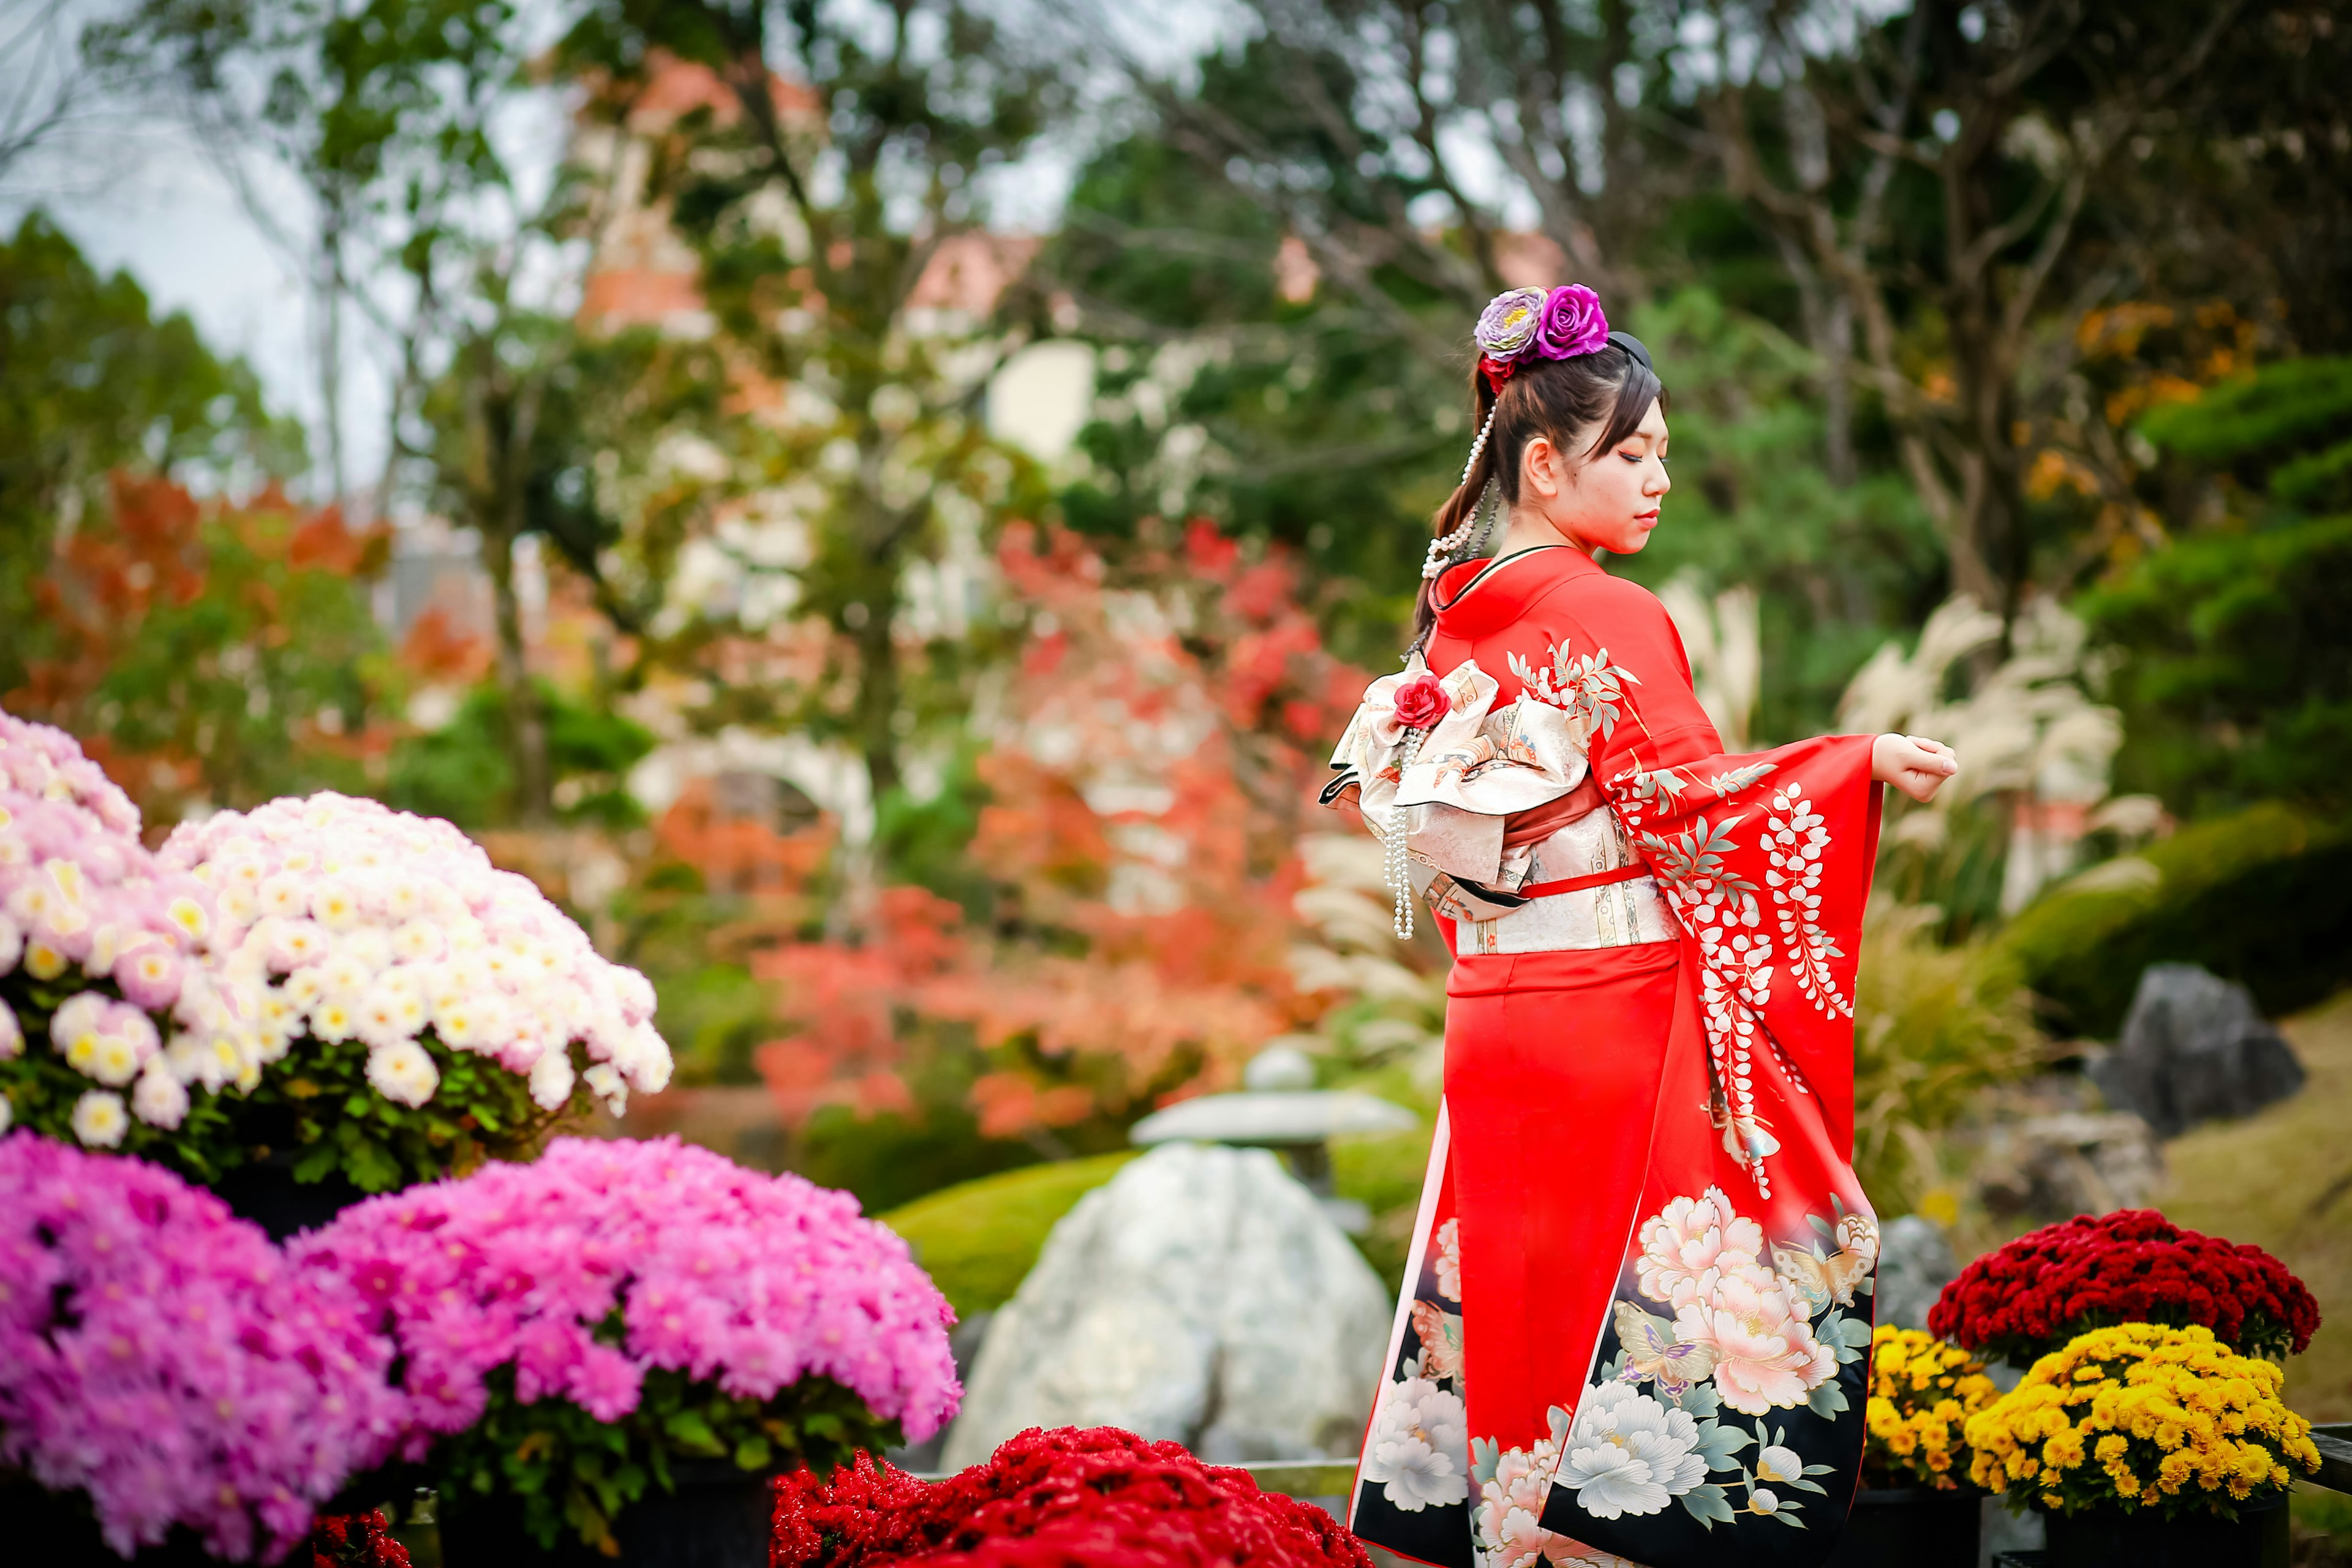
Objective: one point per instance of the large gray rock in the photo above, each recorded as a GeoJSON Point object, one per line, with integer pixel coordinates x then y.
{"type": "Point", "coordinates": [1915, 1264]}
{"type": "Point", "coordinates": [1201, 1295]}
{"type": "Point", "coordinates": [2045, 1168]}
{"type": "Point", "coordinates": [2194, 1047]}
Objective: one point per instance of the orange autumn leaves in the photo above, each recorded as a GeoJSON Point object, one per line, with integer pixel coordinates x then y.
{"type": "Point", "coordinates": [1150, 762]}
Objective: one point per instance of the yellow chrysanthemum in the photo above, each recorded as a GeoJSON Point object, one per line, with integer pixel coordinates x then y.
{"type": "Point", "coordinates": [2165, 1410]}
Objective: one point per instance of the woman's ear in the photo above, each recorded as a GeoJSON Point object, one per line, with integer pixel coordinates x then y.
{"type": "Point", "coordinates": [1542, 470]}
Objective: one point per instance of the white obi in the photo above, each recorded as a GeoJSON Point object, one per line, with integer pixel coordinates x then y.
{"type": "Point", "coordinates": [1476, 766]}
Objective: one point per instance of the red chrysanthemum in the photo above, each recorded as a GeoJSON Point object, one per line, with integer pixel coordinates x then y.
{"type": "Point", "coordinates": [1096, 1498]}
{"type": "Point", "coordinates": [355, 1540]}
{"type": "Point", "coordinates": [2027, 1299]}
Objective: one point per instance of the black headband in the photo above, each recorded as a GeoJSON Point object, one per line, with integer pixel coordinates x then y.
{"type": "Point", "coordinates": [1632, 345]}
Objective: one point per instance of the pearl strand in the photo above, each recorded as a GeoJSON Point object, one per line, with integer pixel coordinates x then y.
{"type": "Point", "coordinates": [1393, 869]}
{"type": "Point", "coordinates": [1442, 548]}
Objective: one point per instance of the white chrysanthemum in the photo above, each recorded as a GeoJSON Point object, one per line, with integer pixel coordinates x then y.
{"type": "Point", "coordinates": [12, 1034]}
{"type": "Point", "coordinates": [303, 990]}
{"type": "Point", "coordinates": [418, 907]}
{"type": "Point", "coordinates": [99, 1120]}
{"type": "Point", "coordinates": [345, 978]}
{"type": "Point", "coordinates": [370, 946]}
{"type": "Point", "coordinates": [160, 1099]}
{"type": "Point", "coordinates": [403, 1072]}
{"type": "Point", "coordinates": [12, 944]}
{"type": "Point", "coordinates": [334, 904]}
{"type": "Point", "coordinates": [1628, 1453]}
{"type": "Point", "coordinates": [416, 941]}
{"type": "Point", "coordinates": [282, 896]}
{"type": "Point", "coordinates": [551, 1081]}
{"type": "Point", "coordinates": [605, 1084]}
{"type": "Point", "coordinates": [1419, 1449]}
{"type": "Point", "coordinates": [114, 1060]}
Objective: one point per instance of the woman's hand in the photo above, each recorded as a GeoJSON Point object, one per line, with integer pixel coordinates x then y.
{"type": "Point", "coordinates": [1915, 765]}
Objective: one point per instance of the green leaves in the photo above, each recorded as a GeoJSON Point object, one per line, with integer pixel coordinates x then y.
{"type": "Point", "coordinates": [574, 1474]}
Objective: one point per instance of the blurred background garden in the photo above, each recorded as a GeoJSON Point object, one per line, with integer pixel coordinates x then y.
{"type": "Point", "coordinates": [882, 509]}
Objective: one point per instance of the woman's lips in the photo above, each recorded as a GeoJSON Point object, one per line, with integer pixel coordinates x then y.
{"type": "Point", "coordinates": [1647, 519]}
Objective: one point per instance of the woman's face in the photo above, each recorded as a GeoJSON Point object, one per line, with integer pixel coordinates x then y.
{"type": "Point", "coordinates": [1609, 502]}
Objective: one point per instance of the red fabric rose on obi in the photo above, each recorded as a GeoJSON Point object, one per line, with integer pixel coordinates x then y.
{"type": "Point", "coordinates": [1422, 701]}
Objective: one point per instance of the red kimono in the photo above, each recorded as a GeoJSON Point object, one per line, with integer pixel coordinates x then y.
{"type": "Point", "coordinates": [1636, 1315]}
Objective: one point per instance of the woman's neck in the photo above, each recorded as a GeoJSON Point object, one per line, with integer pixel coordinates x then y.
{"type": "Point", "coordinates": [1528, 529]}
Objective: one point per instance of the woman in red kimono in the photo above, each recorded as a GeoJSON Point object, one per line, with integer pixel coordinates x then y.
{"type": "Point", "coordinates": [1637, 1308]}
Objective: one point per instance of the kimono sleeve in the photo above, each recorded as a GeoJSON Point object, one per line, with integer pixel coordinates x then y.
{"type": "Point", "coordinates": [1765, 861]}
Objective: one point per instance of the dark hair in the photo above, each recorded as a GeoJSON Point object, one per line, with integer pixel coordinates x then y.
{"type": "Point", "coordinates": [1611, 388]}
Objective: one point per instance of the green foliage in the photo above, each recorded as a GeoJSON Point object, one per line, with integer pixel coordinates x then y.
{"type": "Point", "coordinates": [2258, 424]}
{"type": "Point", "coordinates": [1384, 1174]}
{"type": "Point", "coordinates": [574, 1474]}
{"type": "Point", "coordinates": [465, 771]}
{"type": "Point", "coordinates": [1837, 569]}
{"type": "Point", "coordinates": [1934, 1027]}
{"type": "Point", "coordinates": [979, 1240]}
{"type": "Point", "coordinates": [714, 1017]}
{"type": "Point", "coordinates": [2237, 680]}
{"type": "Point", "coordinates": [91, 381]}
{"type": "Point", "coordinates": [319, 1100]}
{"type": "Point", "coordinates": [2263, 897]}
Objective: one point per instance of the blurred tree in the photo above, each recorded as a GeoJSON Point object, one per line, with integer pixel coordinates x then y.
{"type": "Point", "coordinates": [212, 655]}
{"type": "Point", "coordinates": [385, 113]}
{"type": "Point", "coordinates": [90, 382]}
{"type": "Point", "coordinates": [1934, 182]}
{"type": "Point", "coordinates": [2236, 674]}
{"type": "Point", "coordinates": [836, 193]}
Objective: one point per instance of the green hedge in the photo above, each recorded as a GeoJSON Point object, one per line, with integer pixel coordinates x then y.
{"type": "Point", "coordinates": [2263, 896]}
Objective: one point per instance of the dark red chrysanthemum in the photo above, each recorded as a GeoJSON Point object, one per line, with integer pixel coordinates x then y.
{"type": "Point", "coordinates": [2029, 1297]}
{"type": "Point", "coordinates": [1072, 1498]}
{"type": "Point", "coordinates": [355, 1540]}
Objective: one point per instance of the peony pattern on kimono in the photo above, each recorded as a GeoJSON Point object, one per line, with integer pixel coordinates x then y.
{"type": "Point", "coordinates": [1420, 1446]}
{"type": "Point", "coordinates": [1688, 1243]}
{"type": "Point", "coordinates": [1512, 1486]}
{"type": "Point", "coordinates": [1449, 1260]}
{"type": "Point", "coordinates": [1756, 1324]}
{"type": "Point", "coordinates": [1627, 1453]}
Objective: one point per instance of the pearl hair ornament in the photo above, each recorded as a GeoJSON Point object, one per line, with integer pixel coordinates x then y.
{"type": "Point", "coordinates": [1446, 548]}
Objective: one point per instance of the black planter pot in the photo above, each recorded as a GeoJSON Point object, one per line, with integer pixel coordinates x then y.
{"type": "Point", "coordinates": [2257, 1538]}
{"type": "Point", "coordinates": [718, 1518]}
{"type": "Point", "coordinates": [58, 1529]}
{"type": "Point", "coordinates": [266, 1194]}
{"type": "Point", "coordinates": [1909, 1527]}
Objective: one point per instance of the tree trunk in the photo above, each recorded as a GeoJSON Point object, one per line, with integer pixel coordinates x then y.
{"type": "Point", "coordinates": [534, 805]}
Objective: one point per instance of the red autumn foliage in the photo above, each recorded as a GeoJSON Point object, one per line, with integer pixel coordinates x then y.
{"type": "Point", "coordinates": [1096, 1497]}
{"type": "Point", "coordinates": [1158, 748]}
{"type": "Point", "coordinates": [2029, 1297]}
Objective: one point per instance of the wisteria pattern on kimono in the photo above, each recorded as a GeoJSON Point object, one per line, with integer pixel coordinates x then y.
{"type": "Point", "coordinates": [1637, 1307]}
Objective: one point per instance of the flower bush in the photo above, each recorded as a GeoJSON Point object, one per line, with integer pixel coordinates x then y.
{"type": "Point", "coordinates": [568, 1328]}
{"type": "Point", "coordinates": [111, 1031]}
{"type": "Point", "coordinates": [2035, 1294]}
{"type": "Point", "coordinates": [2142, 1416]}
{"type": "Point", "coordinates": [1065, 1499]}
{"type": "Point", "coordinates": [156, 1354]}
{"type": "Point", "coordinates": [422, 1007]}
{"type": "Point", "coordinates": [1922, 1393]}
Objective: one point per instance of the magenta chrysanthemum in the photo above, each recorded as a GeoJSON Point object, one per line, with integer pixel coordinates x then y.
{"type": "Point", "coordinates": [749, 1281]}
{"type": "Point", "coordinates": [157, 1354]}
